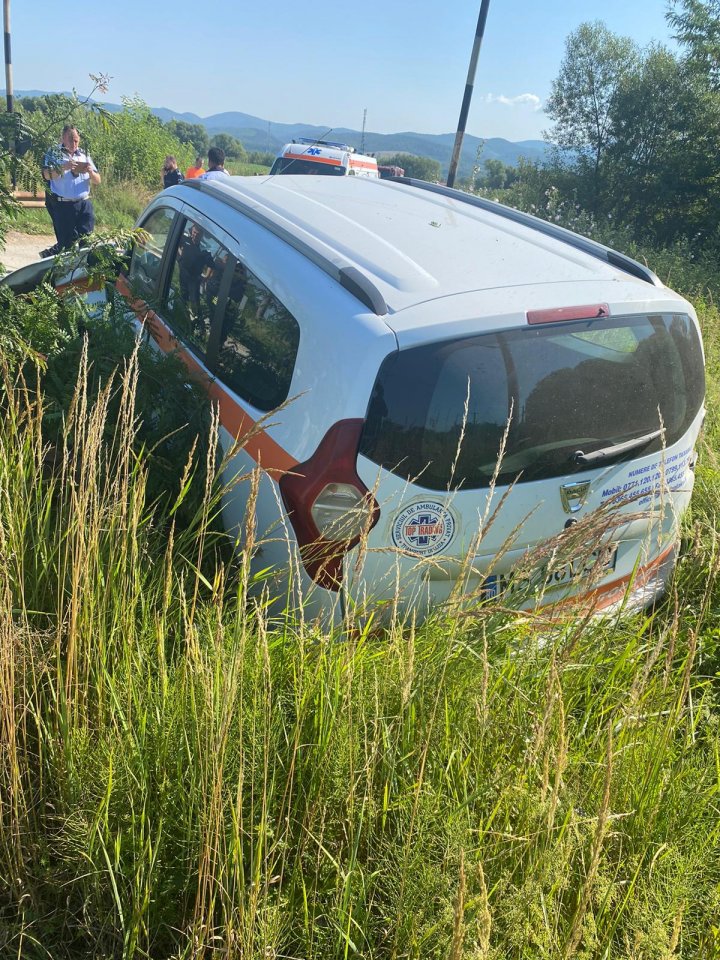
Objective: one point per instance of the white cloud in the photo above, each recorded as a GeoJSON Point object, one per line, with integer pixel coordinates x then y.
{"type": "Point", "coordinates": [521, 100]}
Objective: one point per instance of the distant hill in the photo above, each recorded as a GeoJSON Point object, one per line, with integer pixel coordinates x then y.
{"type": "Point", "coordinates": [255, 133]}
{"type": "Point", "coordinates": [258, 134]}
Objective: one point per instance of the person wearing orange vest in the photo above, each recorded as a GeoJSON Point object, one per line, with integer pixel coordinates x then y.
{"type": "Point", "coordinates": [195, 171]}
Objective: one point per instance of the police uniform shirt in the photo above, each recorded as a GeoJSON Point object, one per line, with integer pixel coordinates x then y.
{"type": "Point", "coordinates": [67, 186]}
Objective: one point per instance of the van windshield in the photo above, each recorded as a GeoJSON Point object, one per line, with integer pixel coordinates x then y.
{"type": "Point", "coordinates": [299, 166]}
{"type": "Point", "coordinates": [438, 413]}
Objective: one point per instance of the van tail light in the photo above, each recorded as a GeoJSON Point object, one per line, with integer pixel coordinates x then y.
{"type": "Point", "coordinates": [329, 506]}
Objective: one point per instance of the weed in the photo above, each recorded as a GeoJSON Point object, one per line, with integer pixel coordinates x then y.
{"type": "Point", "coordinates": [182, 776]}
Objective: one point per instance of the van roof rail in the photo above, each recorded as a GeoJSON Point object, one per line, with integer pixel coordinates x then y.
{"type": "Point", "coordinates": [591, 247]}
{"type": "Point", "coordinates": [344, 273]}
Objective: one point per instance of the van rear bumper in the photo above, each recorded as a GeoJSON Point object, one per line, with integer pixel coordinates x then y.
{"type": "Point", "coordinates": [627, 594]}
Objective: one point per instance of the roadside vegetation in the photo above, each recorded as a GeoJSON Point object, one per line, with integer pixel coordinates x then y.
{"type": "Point", "coordinates": [181, 777]}
{"type": "Point", "coordinates": [128, 147]}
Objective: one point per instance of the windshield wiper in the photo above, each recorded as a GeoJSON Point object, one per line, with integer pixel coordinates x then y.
{"type": "Point", "coordinates": [616, 450]}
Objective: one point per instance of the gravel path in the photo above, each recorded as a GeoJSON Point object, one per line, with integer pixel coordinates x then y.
{"type": "Point", "coordinates": [23, 248]}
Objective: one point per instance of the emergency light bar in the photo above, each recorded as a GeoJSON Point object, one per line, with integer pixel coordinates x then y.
{"type": "Point", "coordinates": [325, 143]}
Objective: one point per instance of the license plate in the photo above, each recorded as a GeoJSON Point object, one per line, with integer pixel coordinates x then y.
{"type": "Point", "coordinates": [600, 562]}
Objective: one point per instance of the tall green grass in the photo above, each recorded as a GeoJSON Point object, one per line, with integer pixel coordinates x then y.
{"type": "Point", "coordinates": [35, 220]}
{"type": "Point", "coordinates": [240, 169]}
{"type": "Point", "coordinates": [181, 778]}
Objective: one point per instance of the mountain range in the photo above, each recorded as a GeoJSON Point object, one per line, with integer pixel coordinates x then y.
{"type": "Point", "coordinates": [256, 133]}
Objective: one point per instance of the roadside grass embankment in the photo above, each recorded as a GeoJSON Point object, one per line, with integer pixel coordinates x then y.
{"type": "Point", "coordinates": [180, 777]}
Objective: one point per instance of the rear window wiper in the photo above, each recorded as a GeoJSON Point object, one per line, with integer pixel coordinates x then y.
{"type": "Point", "coordinates": [616, 450]}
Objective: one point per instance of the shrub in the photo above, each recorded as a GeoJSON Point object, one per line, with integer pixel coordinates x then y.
{"type": "Point", "coordinates": [61, 333]}
{"type": "Point", "coordinates": [132, 145]}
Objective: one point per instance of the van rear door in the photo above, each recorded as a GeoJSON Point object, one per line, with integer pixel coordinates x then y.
{"type": "Point", "coordinates": [575, 415]}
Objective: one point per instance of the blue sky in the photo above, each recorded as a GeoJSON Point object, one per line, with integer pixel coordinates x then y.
{"type": "Point", "coordinates": [321, 61]}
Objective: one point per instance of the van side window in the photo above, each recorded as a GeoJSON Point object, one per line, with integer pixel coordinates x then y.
{"type": "Point", "coordinates": [147, 254]}
{"type": "Point", "coordinates": [258, 342]}
{"type": "Point", "coordinates": [196, 270]}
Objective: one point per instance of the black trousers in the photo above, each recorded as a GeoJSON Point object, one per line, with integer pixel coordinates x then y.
{"type": "Point", "coordinates": [51, 205]}
{"type": "Point", "coordinates": [73, 220]}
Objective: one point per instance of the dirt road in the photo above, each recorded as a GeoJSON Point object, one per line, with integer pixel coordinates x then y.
{"type": "Point", "coordinates": [22, 248]}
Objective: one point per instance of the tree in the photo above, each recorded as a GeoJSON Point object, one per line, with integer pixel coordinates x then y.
{"type": "Point", "coordinates": [697, 26]}
{"type": "Point", "coordinates": [662, 168]}
{"type": "Point", "coordinates": [230, 145]}
{"type": "Point", "coordinates": [194, 134]}
{"type": "Point", "coordinates": [261, 157]}
{"type": "Point", "coordinates": [36, 124]}
{"type": "Point", "coordinates": [422, 168]}
{"type": "Point", "coordinates": [583, 96]}
{"type": "Point", "coordinates": [497, 175]}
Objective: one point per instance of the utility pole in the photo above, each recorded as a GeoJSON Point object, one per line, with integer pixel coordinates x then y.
{"type": "Point", "coordinates": [464, 109]}
{"type": "Point", "coordinates": [9, 89]}
{"type": "Point", "coordinates": [362, 138]}
{"type": "Point", "coordinates": [8, 58]}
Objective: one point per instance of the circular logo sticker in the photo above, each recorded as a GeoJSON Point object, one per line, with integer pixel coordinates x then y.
{"type": "Point", "coordinates": [424, 528]}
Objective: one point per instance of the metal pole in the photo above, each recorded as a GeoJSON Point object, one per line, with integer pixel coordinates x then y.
{"type": "Point", "coordinates": [464, 109]}
{"type": "Point", "coordinates": [9, 89]}
{"type": "Point", "coordinates": [8, 58]}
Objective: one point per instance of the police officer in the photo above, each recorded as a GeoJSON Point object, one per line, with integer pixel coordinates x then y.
{"type": "Point", "coordinates": [51, 201]}
{"type": "Point", "coordinates": [71, 175]}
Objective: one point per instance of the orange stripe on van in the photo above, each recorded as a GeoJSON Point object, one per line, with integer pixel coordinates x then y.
{"type": "Point", "coordinates": [82, 285]}
{"type": "Point", "coordinates": [311, 158]}
{"type": "Point", "coordinates": [599, 598]}
{"type": "Point", "coordinates": [273, 458]}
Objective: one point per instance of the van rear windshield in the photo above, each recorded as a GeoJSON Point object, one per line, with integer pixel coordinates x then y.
{"type": "Point", "coordinates": [298, 166]}
{"type": "Point", "coordinates": [438, 413]}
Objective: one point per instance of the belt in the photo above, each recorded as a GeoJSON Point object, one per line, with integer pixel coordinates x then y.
{"type": "Point", "coordinates": [71, 199]}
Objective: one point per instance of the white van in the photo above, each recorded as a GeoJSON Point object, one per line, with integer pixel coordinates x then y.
{"type": "Point", "coordinates": [323, 157]}
{"type": "Point", "coordinates": [480, 404]}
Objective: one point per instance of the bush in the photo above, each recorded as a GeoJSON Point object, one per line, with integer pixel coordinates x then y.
{"type": "Point", "coordinates": [61, 334]}
{"type": "Point", "coordinates": [34, 326]}
{"type": "Point", "coordinates": [132, 145]}
{"type": "Point", "coordinates": [118, 204]}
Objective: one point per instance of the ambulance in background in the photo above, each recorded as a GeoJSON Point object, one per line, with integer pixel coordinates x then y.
{"type": "Point", "coordinates": [323, 157]}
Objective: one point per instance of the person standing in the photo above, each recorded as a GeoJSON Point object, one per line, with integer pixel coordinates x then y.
{"type": "Point", "coordinates": [196, 170]}
{"type": "Point", "coordinates": [51, 201]}
{"type": "Point", "coordinates": [216, 165]}
{"type": "Point", "coordinates": [193, 260]}
{"type": "Point", "coordinates": [71, 175]}
{"type": "Point", "coordinates": [171, 174]}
